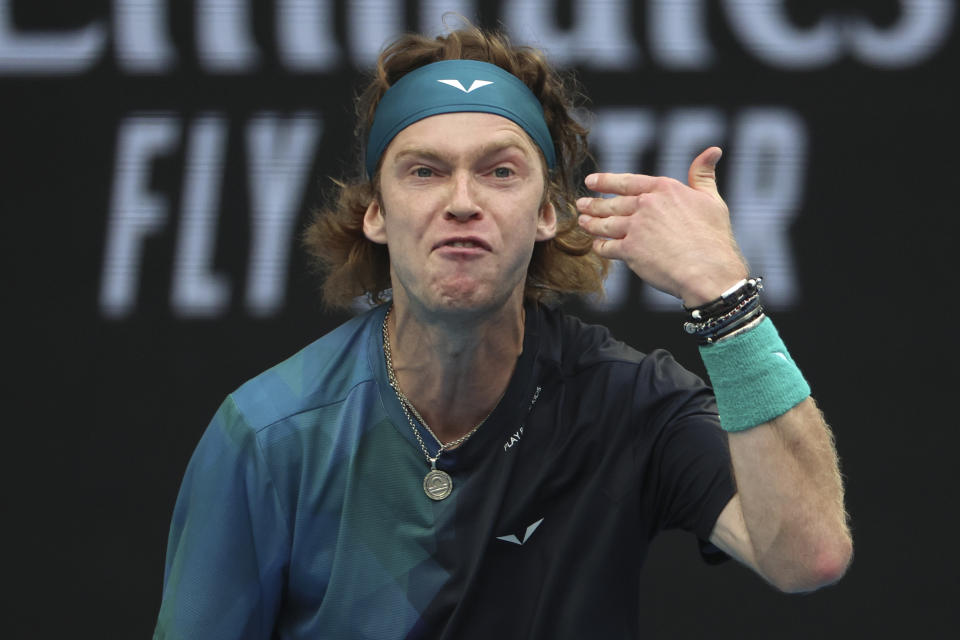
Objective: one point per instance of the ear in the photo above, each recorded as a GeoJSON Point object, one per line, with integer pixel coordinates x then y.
{"type": "Point", "coordinates": [374, 226]}
{"type": "Point", "coordinates": [547, 222]}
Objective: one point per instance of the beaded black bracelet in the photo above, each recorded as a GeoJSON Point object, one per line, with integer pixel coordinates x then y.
{"type": "Point", "coordinates": [713, 330]}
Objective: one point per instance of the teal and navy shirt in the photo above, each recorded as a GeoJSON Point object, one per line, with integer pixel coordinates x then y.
{"type": "Point", "coordinates": [302, 512]}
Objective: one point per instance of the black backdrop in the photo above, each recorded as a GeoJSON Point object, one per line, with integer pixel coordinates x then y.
{"type": "Point", "coordinates": [160, 157]}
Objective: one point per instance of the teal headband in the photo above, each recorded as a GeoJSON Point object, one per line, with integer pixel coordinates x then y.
{"type": "Point", "coordinates": [452, 86]}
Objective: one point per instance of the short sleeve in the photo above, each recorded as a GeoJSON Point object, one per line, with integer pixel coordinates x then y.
{"type": "Point", "coordinates": [696, 480]}
{"type": "Point", "coordinates": [228, 546]}
{"type": "Point", "coordinates": [690, 471]}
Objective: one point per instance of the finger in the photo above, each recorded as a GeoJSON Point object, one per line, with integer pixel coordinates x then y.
{"type": "Point", "coordinates": [623, 184]}
{"type": "Point", "coordinates": [610, 248]}
{"type": "Point", "coordinates": [702, 175]}
{"type": "Point", "coordinates": [616, 206]}
{"type": "Point", "coordinates": [612, 227]}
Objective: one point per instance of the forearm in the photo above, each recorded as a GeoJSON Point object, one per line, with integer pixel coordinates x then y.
{"type": "Point", "coordinates": [791, 496]}
{"type": "Point", "coordinates": [789, 522]}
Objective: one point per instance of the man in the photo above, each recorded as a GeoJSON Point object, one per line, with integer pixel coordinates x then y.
{"type": "Point", "coordinates": [465, 462]}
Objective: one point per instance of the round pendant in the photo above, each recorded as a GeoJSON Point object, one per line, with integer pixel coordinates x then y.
{"type": "Point", "coordinates": [437, 484]}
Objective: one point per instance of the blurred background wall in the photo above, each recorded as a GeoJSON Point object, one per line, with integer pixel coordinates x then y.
{"type": "Point", "coordinates": [159, 159]}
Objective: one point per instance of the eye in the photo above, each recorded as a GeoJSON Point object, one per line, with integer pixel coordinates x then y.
{"type": "Point", "coordinates": [502, 172]}
{"type": "Point", "coordinates": [423, 172]}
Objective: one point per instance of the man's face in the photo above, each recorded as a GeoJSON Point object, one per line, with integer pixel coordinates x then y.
{"type": "Point", "coordinates": [461, 206]}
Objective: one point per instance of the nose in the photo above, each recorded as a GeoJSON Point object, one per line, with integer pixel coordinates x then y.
{"type": "Point", "coordinates": [463, 203]}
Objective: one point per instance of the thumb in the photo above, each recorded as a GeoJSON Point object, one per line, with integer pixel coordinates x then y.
{"type": "Point", "coordinates": [702, 175]}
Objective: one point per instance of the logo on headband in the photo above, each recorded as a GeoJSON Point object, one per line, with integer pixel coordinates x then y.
{"type": "Point", "coordinates": [476, 84]}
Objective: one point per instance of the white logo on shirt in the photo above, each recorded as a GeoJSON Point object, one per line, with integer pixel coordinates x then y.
{"type": "Point", "coordinates": [526, 536]}
{"type": "Point", "coordinates": [475, 85]}
{"type": "Point", "coordinates": [514, 439]}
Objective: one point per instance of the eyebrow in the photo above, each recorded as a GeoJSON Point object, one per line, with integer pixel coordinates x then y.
{"type": "Point", "coordinates": [487, 149]}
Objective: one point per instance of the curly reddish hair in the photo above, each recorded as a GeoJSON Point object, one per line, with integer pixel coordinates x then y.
{"type": "Point", "coordinates": [354, 266]}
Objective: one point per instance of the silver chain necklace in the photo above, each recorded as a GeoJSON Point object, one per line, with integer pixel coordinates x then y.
{"type": "Point", "coordinates": [437, 484]}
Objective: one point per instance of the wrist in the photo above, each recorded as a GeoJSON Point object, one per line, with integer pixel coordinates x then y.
{"type": "Point", "coordinates": [701, 288]}
{"type": "Point", "coordinates": [736, 308]}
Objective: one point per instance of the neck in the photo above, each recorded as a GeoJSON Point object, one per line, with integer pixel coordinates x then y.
{"type": "Point", "coordinates": [454, 370]}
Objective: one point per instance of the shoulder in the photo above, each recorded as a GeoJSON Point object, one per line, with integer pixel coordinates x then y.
{"type": "Point", "coordinates": [592, 357]}
{"type": "Point", "coordinates": [575, 345]}
{"type": "Point", "coordinates": [321, 374]}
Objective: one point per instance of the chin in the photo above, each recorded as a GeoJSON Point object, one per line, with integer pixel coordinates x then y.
{"type": "Point", "coordinates": [451, 302]}
{"type": "Point", "coordinates": [469, 299]}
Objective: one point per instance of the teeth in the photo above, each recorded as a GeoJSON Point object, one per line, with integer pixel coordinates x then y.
{"type": "Point", "coordinates": [461, 243]}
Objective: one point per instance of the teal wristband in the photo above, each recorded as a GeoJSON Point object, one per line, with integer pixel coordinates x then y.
{"type": "Point", "coordinates": [754, 377]}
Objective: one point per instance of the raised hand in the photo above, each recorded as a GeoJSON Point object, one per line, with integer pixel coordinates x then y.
{"type": "Point", "coordinates": [676, 237]}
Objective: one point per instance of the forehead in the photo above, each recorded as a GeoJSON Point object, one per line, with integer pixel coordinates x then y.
{"type": "Point", "coordinates": [462, 133]}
